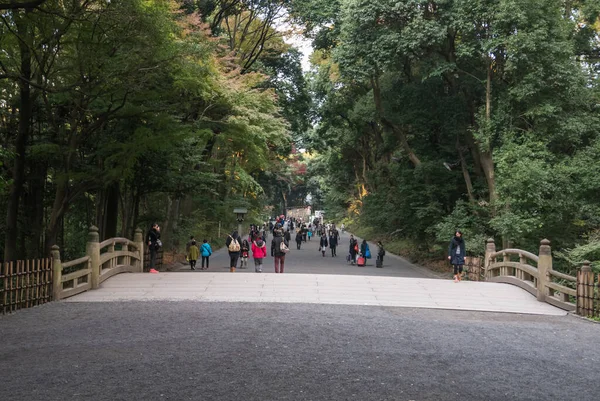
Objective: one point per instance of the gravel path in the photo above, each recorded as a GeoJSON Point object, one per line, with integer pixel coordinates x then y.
{"type": "Point", "coordinates": [223, 351]}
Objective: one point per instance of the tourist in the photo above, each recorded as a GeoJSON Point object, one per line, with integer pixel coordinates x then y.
{"type": "Point", "coordinates": [456, 255]}
{"type": "Point", "coordinates": [279, 247]}
{"type": "Point", "coordinates": [206, 251]}
{"type": "Point", "coordinates": [154, 244]}
{"type": "Point", "coordinates": [288, 235]}
{"type": "Point", "coordinates": [259, 252]}
{"type": "Point", "coordinates": [380, 254]}
{"type": "Point", "coordinates": [192, 255]}
{"type": "Point", "coordinates": [323, 244]}
{"type": "Point", "coordinates": [309, 233]}
{"type": "Point", "coordinates": [298, 239]}
{"type": "Point", "coordinates": [245, 251]}
{"type": "Point", "coordinates": [333, 243]}
{"type": "Point", "coordinates": [233, 246]}
{"type": "Point", "coordinates": [189, 243]}
{"type": "Point", "coordinates": [365, 252]}
{"type": "Point", "coordinates": [353, 249]}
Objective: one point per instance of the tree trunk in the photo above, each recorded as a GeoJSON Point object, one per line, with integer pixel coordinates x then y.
{"type": "Point", "coordinates": [466, 175]}
{"type": "Point", "coordinates": [397, 131]}
{"type": "Point", "coordinates": [25, 110]}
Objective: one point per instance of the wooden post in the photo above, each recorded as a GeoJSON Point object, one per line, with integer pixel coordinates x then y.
{"type": "Point", "coordinates": [138, 238]}
{"type": "Point", "coordinates": [56, 273]}
{"type": "Point", "coordinates": [544, 266]}
{"type": "Point", "coordinates": [490, 248]}
{"type": "Point", "coordinates": [585, 290]}
{"type": "Point", "coordinates": [93, 251]}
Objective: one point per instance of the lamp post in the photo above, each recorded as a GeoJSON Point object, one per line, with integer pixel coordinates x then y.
{"type": "Point", "coordinates": [240, 213]}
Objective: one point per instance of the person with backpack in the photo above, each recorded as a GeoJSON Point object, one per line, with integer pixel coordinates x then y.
{"type": "Point", "coordinates": [456, 255]}
{"type": "Point", "coordinates": [233, 246]}
{"type": "Point", "coordinates": [206, 252]}
{"type": "Point", "coordinates": [259, 252]}
{"type": "Point", "coordinates": [193, 254]}
{"type": "Point", "coordinates": [245, 251]}
{"type": "Point", "coordinates": [333, 243]}
{"type": "Point", "coordinates": [353, 249]}
{"type": "Point", "coordinates": [323, 244]}
{"type": "Point", "coordinates": [154, 244]}
{"type": "Point", "coordinates": [380, 255]}
{"type": "Point", "coordinates": [298, 239]}
{"type": "Point", "coordinates": [365, 252]}
{"type": "Point", "coordinates": [279, 248]}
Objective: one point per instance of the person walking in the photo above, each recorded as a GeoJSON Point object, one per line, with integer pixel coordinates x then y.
{"type": "Point", "coordinates": [288, 235]}
{"type": "Point", "coordinates": [323, 244]}
{"type": "Point", "coordinates": [309, 233]}
{"type": "Point", "coordinates": [259, 252]}
{"type": "Point", "coordinates": [456, 255]}
{"type": "Point", "coordinates": [193, 254]}
{"type": "Point", "coordinates": [189, 243]}
{"type": "Point", "coordinates": [333, 243]}
{"type": "Point", "coordinates": [233, 246]}
{"type": "Point", "coordinates": [279, 248]}
{"type": "Point", "coordinates": [353, 249]}
{"type": "Point", "coordinates": [380, 254]}
{"type": "Point", "coordinates": [206, 252]}
{"type": "Point", "coordinates": [245, 252]}
{"type": "Point", "coordinates": [154, 244]}
{"type": "Point", "coordinates": [298, 239]}
{"type": "Point", "coordinates": [364, 250]}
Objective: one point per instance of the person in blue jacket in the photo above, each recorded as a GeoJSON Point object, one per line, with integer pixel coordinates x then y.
{"type": "Point", "coordinates": [205, 251]}
{"type": "Point", "coordinates": [456, 255]}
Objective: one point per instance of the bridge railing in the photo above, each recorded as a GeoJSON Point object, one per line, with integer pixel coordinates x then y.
{"type": "Point", "coordinates": [102, 261]}
{"type": "Point", "coordinates": [533, 273]}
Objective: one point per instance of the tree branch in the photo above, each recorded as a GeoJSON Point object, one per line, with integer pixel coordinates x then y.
{"type": "Point", "coordinates": [16, 5]}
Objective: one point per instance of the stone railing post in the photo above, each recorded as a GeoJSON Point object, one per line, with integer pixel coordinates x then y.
{"type": "Point", "coordinates": [93, 251]}
{"type": "Point", "coordinates": [585, 290]}
{"type": "Point", "coordinates": [56, 273]}
{"type": "Point", "coordinates": [544, 266]}
{"type": "Point", "coordinates": [490, 248]}
{"type": "Point", "coordinates": [138, 238]}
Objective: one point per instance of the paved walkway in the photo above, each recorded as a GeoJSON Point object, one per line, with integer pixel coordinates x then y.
{"type": "Point", "coordinates": [309, 260]}
{"type": "Point", "coordinates": [321, 289]}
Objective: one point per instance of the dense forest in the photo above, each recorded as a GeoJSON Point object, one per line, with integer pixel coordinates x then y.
{"type": "Point", "coordinates": [478, 115]}
{"type": "Point", "coordinates": [126, 112]}
{"type": "Point", "coordinates": [416, 118]}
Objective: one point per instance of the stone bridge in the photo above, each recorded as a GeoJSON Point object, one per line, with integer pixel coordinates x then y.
{"type": "Point", "coordinates": [309, 277]}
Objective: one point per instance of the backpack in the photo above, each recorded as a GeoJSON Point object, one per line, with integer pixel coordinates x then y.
{"type": "Point", "coordinates": [234, 245]}
{"type": "Point", "coordinates": [283, 247]}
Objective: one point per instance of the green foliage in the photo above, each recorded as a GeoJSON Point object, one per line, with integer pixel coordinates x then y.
{"type": "Point", "coordinates": [502, 93]}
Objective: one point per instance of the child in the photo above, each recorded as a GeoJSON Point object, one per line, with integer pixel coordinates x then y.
{"type": "Point", "coordinates": [245, 252]}
{"type": "Point", "coordinates": [206, 252]}
{"type": "Point", "coordinates": [259, 252]}
{"type": "Point", "coordinates": [193, 254]}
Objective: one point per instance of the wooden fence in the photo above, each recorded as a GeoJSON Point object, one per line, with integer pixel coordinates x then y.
{"type": "Point", "coordinates": [588, 292]}
{"type": "Point", "coordinates": [24, 284]}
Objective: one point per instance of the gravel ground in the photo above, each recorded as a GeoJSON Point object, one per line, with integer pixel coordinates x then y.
{"type": "Point", "coordinates": [223, 351]}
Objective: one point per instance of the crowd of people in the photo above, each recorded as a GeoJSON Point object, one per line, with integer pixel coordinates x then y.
{"type": "Point", "coordinates": [255, 245]}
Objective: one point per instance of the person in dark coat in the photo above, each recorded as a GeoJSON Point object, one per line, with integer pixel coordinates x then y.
{"type": "Point", "coordinates": [233, 243]}
{"type": "Point", "coordinates": [353, 249]}
{"type": "Point", "coordinates": [456, 255]}
{"type": "Point", "coordinates": [298, 239]}
{"type": "Point", "coordinates": [380, 254]}
{"type": "Point", "coordinates": [333, 243]}
{"type": "Point", "coordinates": [323, 244]}
{"type": "Point", "coordinates": [154, 244]}
{"type": "Point", "coordinates": [276, 251]}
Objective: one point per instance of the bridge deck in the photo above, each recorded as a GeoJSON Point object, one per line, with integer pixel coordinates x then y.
{"type": "Point", "coordinates": [319, 288]}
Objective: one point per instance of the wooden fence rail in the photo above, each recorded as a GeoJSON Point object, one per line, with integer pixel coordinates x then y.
{"type": "Point", "coordinates": [25, 283]}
